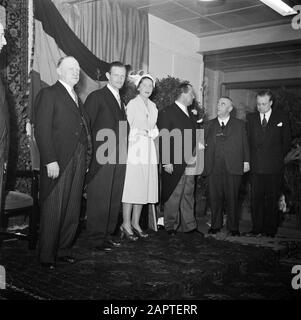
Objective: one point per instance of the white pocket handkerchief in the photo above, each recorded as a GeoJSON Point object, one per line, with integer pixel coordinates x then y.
{"type": "Point", "coordinates": [279, 124]}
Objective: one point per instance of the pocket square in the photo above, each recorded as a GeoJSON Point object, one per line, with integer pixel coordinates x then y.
{"type": "Point", "coordinates": [279, 124]}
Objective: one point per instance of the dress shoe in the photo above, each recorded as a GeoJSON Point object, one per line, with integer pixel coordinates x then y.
{"type": "Point", "coordinates": [269, 235]}
{"type": "Point", "coordinates": [234, 233]}
{"type": "Point", "coordinates": [196, 232]}
{"type": "Point", "coordinates": [125, 234]}
{"type": "Point", "coordinates": [172, 232]}
{"type": "Point", "coordinates": [104, 247]}
{"type": "Point", "coordinates": [67, 259]}
{"type": "Point", "coordinates": [213, 231]}
{"type": "Point", "coordinates": [253, 234]}
{"type": "Point", "coordinates": [47, 266]}
{"type": "Point", "coordinates": [140, 234]}
{"type": "Point", "coordinates": [114, 243]}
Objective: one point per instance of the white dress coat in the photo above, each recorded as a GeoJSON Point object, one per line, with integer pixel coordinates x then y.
{"type": "Point", "coordinates": [141, 179]}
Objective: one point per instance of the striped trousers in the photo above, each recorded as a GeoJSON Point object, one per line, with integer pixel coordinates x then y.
{"type": "Point", "coordinates": [60, 211]}
{"type": "Point", "coordinates": [179, 208]}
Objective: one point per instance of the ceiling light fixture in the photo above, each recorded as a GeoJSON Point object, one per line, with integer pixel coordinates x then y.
{"type": "Point", "coordinates": [280, 7]}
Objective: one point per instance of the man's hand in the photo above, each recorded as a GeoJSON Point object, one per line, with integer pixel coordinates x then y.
{"type": "Point", "coordinates": [53, 170]}
{"type": "Point", "coordinates": [168, 168]}
{"type": "Point", "coordinates": [246, 167]}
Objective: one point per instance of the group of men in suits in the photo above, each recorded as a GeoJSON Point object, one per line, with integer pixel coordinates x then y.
{"type": "Point", "coordinates": [233, 149]}
{"type": "Point", "coordinates": [69, 141]}
{"type": "Point", "coordinates": [67, 138]}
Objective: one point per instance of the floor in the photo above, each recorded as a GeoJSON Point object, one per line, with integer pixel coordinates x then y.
{"type": "Point", "coordinates": [186, 266]}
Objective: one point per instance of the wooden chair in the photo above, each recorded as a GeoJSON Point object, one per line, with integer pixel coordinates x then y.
{"type": "Point", "coordinates": [16, 203]}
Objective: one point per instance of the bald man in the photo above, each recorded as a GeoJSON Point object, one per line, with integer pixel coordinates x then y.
{"type": "Point", "coordinates": [4, 125]}
{"type": "Point", "coordinates": [63, 138]}
{"type": "Point", "coordinates": [226, 159]}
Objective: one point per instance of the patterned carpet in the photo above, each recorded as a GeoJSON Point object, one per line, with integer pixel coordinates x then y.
{"type": "Point", "coordinates": [186, 266]}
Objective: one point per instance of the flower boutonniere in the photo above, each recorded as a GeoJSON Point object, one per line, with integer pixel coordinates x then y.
{"type": "Point", "coordinates": [194, 112]}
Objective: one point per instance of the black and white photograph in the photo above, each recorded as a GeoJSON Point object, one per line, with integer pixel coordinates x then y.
{"type": "Point", "coordinates": [150, 155]}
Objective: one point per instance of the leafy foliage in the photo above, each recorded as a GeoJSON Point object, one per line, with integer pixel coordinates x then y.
{"type": "Point", "coordinates": [291, 104]}
{"type": "Point", "coordinates": [166, 92]}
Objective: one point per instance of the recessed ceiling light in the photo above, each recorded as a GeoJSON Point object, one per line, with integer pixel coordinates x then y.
{"type": "Point", "coordinates": [280, 7]}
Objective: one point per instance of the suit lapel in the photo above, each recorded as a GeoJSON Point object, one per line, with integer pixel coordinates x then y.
{"type": "Point", "coordinates": [271, 125]}
{"type": "Point", "coordinates": [258, 129]}
{"type": "Point", "coordinates": [182, 116]}
{"type": "Point", "coordinates": [192, 118]}
{"type": "Point", "coordinates": [181, 111]}
{"type": "Point", "coordinates": [272, 121]}
{"type": "Point", "coordinates": [118, 111]}
{"type": "Point", "coordinates": [229, 127]}
{"type": "Point", "coordinates": [216, 128]}
{"type": "Point", "coordinates": [68, 101]}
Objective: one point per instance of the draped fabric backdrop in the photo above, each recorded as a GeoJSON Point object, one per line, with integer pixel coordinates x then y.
{"type": "Point", "coordinates": [14, 73]}
{"type": "Point", "coordinates": [98, 32]}
{"type": "Point", "coordinates": [52, 40]}
{"type": "Point", "coordinates": [112, 30]}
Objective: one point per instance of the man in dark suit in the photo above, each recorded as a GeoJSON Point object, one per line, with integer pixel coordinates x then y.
{"type": "Point", "coordinates": [226, 159]}
{"type": "Point", "coordinates": [4, 125]}
{"type": "Point", "coordinates": [62, 134]}
{"type": "Point", "coordinates": [176, 149]}
{"type": "Point", "coordinates": [107, 173]}
{"type": "Point", "coordinates": [269, 138]}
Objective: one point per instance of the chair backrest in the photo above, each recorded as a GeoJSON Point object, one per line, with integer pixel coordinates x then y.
{"type": "Point", "coordinates": [34, 151]}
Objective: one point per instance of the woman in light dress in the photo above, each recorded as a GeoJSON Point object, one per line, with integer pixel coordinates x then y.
{"type": "Point", "coordinates": [141, 179]}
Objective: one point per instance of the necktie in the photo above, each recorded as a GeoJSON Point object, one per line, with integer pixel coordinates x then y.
{"type": "Point", "coordinates": [264, 121]}
{"type": "Point", "coordinates": [118, 99]}
{"type": "Point", "coordinates": [75, 98]}
{"type": "Point", "coordinates": [223, 126]}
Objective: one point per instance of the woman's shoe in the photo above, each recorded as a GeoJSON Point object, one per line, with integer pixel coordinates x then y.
{"type": "Point", "coordinates": [140, 234]}
{"type": "Point", "coordinates": [127, 235]}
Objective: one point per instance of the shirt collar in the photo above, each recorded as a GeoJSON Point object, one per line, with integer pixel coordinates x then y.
{"type": "Point", "coordinates": [267, 115]}
{"type": "Point", "coordinates": [113, 90]}
{"type": "Point", "coordinates": [225, 121]}
{"type": "Point", "coordinates": [67, 86]}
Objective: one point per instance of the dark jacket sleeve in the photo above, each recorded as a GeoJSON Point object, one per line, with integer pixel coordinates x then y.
{"type": "Point", "coordinates": [44, 111]}
{"type": "Point", "coordinates": [91, 107]}
{"type": "Point", "coordinates": [245, 143]}
{"type": "Point", "coordinates": [286, 136]}
{"type": "Point", "coordinates": [164, 137]}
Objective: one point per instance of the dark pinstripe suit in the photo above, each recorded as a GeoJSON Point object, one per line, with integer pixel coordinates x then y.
{"type": "Point", "coordinates": [61, 133]}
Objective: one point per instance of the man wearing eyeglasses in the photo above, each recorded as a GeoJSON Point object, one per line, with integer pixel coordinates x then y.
{"type": "Point", "coordinates": [226, 160]}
